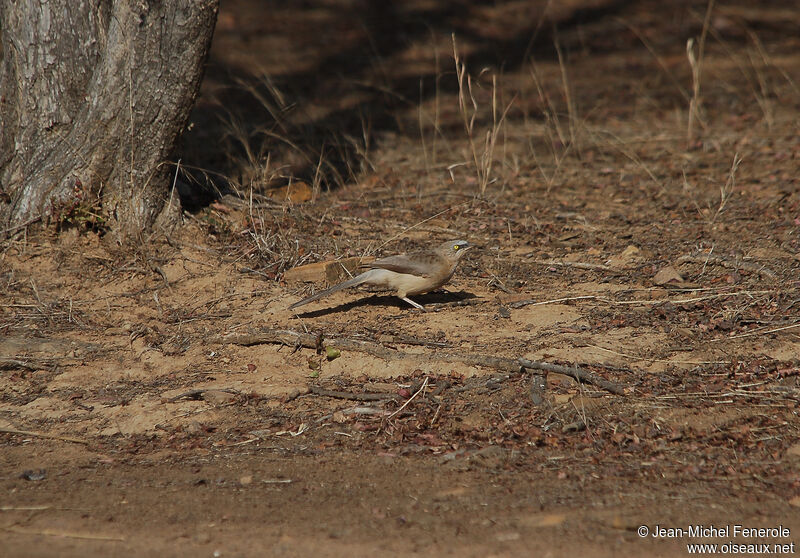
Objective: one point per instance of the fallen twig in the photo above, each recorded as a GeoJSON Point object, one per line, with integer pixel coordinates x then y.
{"type": "Point", "coordinates": [42, 435]}
{"type": "Point", "coordinates": [534, 302]}
{"type": "Point", "coordinates": [407, 340]}
{"type": "Point", "coordinates": [198, 393]}
{"type": "Point", "coordinates": [578, 373]}
{"type": "Point", "coordinates": [719, 260]}
{"type": "Point", "coordinates": [760, 332]}
{"type": "Point", "coordinates": [21, 225]}
{"type": "Point", "coordinates": [465, 302]}
{"type": "Point", "coordinates": [312, 341]}
{"type": "Point", "coordinates": [62, 533]}
{"type": "Point", "coordinates": [361, 410]}
{"type": "Point", "coordinates": [576, 265]}
{"type": "Point", "coordinates": [352, 396]}
{"type": "Point", "coordinates": [652, 302]}
{"type": "Point", "coordinates": [15, 364]}
{"type": "Point", "coordinates": [404, 405]}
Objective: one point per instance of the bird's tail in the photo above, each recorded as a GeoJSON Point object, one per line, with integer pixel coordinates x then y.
{"type": "Point", "coordinates": [357, 280]}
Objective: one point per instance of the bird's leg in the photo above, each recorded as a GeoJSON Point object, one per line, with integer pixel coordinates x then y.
{"type": "Point", "coordinates": [414, 304]}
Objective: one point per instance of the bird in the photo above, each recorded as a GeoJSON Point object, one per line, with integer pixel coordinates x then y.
{"type": "Point", "coordinates": [406, 274]}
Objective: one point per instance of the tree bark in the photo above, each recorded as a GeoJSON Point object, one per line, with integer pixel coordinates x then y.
{"type": "Point", "coordinates": [93, 97]}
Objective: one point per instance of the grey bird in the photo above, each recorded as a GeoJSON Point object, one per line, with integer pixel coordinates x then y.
{"type": "Point", "coordinates": [405, 274]}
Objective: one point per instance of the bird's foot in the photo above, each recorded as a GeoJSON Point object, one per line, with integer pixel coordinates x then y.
{"type": "Point", "coordinates": [414, 304]}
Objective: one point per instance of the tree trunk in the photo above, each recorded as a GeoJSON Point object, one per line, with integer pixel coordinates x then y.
{"type": "Point", "coordinates": [93, 97]}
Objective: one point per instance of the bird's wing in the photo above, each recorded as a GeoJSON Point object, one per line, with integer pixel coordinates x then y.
{"type": "Point", "coordinates": [421, 265]}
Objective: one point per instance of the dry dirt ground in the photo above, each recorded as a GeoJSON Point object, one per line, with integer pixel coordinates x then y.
{"type": "Point", "coordinates": [146, 409]}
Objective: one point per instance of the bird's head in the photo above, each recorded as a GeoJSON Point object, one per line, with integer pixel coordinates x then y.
{"type": "Point", "coordinates": [454, 249]}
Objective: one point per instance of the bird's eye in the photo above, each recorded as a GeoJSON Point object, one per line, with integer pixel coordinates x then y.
{"type": "Point", "coordinates": [456, 247]}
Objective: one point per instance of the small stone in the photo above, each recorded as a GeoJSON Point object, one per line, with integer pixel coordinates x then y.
{"type": "Point", "coordinates": [217, 397]}
{"type": "Point", "coordinates": [508, 536]}
{"type": "Point", "coordinates": [668, 275]}
{"type": "Point", "coordinates": [626, 258]}
{"type": "Point", "coordinates": [193, 427]}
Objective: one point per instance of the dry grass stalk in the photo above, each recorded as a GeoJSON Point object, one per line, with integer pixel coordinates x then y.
{"type": "Point", "coordinates": [568, 135]}
{"type": "Point", "coordinates": [468, 107]}
{"type": "Point", "coordinates": [696, 64]}
{"type": "Point", "coordinates": [572, 112]}
{"type": "Point", "coordinates": [726, 191]}
{"type": "Point", "coordinates": [260, 143]}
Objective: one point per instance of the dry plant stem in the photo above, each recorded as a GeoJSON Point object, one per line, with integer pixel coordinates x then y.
{"type": "Point", "coordinates": [16, 228]}
{"type": "Point", "coordinates": [762, 332]}
{"type": "Point", "coordinates": [550, 113]}
{"type": "Point", "coordinates": [662, 64]}
{"type": "Point", "coordinates": [759, 85]}
{"type": "Point", "coordinates": [311, 341]}
{"type": "Point", "coordinates": [60, 533]}
{"type": "Point", "coordinates": [469, 119]}
{"type": "Point", "coordinates": [621, 145]}
{"type": "Point", "coordinates": [196, 393]}
{"type": "Point", "coordinates": [350, 396]}
{"type": "Point", "coordinates": [14, 364]}
{"type": "Point", "coordinates": [415, 225]}
{"type": "Point", "coordinates": [581, 375]}
{"type": "Point", "coordinates": [762, 94]}
{"type": "Point", "coordinates": [406, 340]}
{"type": "Point", "coordinates": [483, 161]}
{"type": "Point", "coordinates": [576, 265]}
{"type": "Point", "coordinates": [572, 113]}
{"type": "Point", "coordinates": [719, 260]}
{"type": "Point", "coordinates": [361, 410]}
{"type": "Point", "coordinates": [534, 302]}
{"type": "Point", "coordinates": [467, 302]}
{"type": "Point", "coordinates": [42, 435]}
{"type": "Point", "coordinates": [410, 399]}
{"type": "Point", "coordinates": [726, 191]}
{"type": "Point", "coordinates": [696, 64]}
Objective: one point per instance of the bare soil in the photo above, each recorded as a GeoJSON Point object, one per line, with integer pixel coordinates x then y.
{"type": "Point", "coordinates": [136, 420]}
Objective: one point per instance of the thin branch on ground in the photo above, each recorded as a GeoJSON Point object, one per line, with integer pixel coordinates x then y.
{"type": "Point", "coordinates": [723, 262]}
{"type": "Point", "coordinates": [15, 364]}
{"type": "Point", "coordinates": [581, 375]}
{"type": "Point", "coordinates": [42, 435]}
{"type": "Point", "coordinates": [312, 341]}
{"type": "Point", "coordinates": [576, 265]}
{"type": "Point", "coordinates": [351, 396]}
{"type": "Point", "coordinates": [410, 399]}
{"type": "Point", "coordinates": [16, 228]}
{"type": "Point", "coordinates": [465, 302]}
{"type": "Point", "coordinates": [676, 301]}
{"type": "Point", "coordinates": [359, 410]}
{"type": "Point", "coordinates": [197, 393]}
